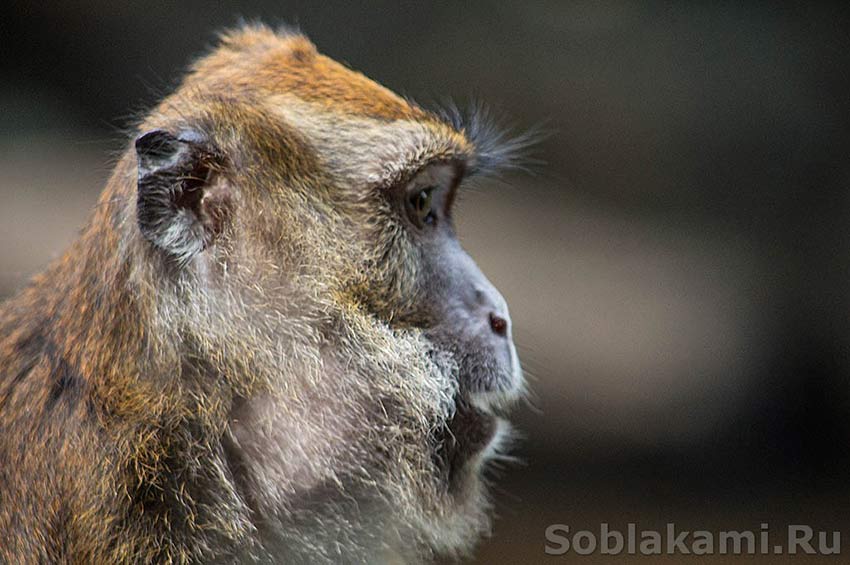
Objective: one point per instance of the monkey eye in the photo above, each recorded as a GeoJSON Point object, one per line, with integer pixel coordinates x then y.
{"type": "Point", "coordinates": [420, 207]}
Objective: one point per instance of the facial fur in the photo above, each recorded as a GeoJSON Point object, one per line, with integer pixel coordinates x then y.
{"type": "Point", "coordinates": [267, 345]}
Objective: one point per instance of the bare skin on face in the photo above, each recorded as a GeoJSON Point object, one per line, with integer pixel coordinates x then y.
{"type": "Point", "coordinates": [267, 344]}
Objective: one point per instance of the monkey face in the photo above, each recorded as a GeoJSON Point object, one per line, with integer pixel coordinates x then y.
{"type": "Point", "coordinates": [466, 314]}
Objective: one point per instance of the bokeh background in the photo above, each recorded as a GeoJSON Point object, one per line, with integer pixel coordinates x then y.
{"type": "Point", "coordinates": [678, 269]}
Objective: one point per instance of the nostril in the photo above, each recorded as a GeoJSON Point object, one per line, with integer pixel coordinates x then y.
{"type": "Point", "coordinates": [498, 324]}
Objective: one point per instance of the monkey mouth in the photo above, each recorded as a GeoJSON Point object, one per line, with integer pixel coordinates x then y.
{"type": "Point", "coordinates": [463, 439]}
{"type": "Point", "coordinates": [470, 437]}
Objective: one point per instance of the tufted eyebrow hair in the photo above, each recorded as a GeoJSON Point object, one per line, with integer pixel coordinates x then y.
{"type": "Point", "coordinates": [498, 148]}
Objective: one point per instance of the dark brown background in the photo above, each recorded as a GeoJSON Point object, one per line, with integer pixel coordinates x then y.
{"type": "Point", "coordinates": [678, 272]}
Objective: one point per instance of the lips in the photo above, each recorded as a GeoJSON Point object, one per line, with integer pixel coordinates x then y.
{"type": "Point", "coordinates": [490, 383]}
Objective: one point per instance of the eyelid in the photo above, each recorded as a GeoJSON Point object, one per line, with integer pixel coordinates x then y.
{"type": "Point", "coordinates": [443, 174]}
{"type": "Point", "coordinates": [435, 191]}
{"type": "Point", "coordinates": [454, 184]}
{"type": "Point", "coordinates": [444, 184]}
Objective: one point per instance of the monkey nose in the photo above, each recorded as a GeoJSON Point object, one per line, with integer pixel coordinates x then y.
{"type": "Point", "coordinates": [498, 324]}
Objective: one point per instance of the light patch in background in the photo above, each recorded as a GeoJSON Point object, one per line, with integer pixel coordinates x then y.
{"type": "Point", "coordinates": [48, 186]}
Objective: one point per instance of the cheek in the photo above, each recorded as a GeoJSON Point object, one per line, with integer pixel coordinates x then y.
{"type": "Point", "coordinates": [391, 268]}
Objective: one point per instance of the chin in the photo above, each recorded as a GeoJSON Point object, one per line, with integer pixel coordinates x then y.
{"type": "Point", "coordinates": [467, 516]}
{"type": "Point", "coordinates": [475, 441]}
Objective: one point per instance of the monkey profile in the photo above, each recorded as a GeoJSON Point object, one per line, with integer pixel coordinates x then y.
{"type": "Point", "coordinates": [267, 344]}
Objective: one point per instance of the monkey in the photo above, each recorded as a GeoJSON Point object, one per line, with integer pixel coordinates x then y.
{"type": "Point", "coordinates": [267, 344]}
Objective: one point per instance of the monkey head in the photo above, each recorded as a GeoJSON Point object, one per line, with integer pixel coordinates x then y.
{"type": "Point", "coordinates": [295, 220]}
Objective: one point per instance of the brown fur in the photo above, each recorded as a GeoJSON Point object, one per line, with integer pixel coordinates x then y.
{"type": "Point", "coordinates": [277, 384]}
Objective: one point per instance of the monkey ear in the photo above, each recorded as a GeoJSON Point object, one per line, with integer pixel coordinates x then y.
{"type": "Point", "coordinates": [173, 205]}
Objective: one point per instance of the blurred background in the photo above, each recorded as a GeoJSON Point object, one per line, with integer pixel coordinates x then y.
{"type": "Point", "coordinates": [677, 271]}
